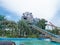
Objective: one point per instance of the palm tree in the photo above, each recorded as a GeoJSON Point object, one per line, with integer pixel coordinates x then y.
{"type": "Point", "coordinates": [24, 28]}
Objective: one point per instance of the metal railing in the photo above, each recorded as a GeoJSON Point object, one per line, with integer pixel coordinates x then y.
{"type": "Point", "coordinates": [36, 27]}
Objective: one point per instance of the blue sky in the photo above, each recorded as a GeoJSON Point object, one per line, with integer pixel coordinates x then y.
{"type": "Point", "coordinates": [47, 9]}
{"type": "Point", "coordinates": [9, 14]}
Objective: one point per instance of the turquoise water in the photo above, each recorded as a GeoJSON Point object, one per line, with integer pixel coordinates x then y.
{"type": "Point", "coordinates": [29, 41]}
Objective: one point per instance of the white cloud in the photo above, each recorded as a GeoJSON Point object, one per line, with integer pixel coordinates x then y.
{"type": "Point", "coordinates": [39, 8]}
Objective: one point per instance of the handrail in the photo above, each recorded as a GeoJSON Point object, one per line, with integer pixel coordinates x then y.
{"type": "Point", "coordinates": [44, 30]}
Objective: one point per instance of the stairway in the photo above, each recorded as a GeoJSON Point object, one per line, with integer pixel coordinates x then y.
{"type": "Point", "coordinates": [53, 37]}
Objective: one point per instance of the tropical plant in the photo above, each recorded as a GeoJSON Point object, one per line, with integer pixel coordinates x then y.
{"type": "Point", "coordinates": [42, 23]}
{"type": "Point", "coordinates": [24, 28]}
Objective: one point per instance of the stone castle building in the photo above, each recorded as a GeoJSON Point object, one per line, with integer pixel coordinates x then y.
{"type": "Point", "coordinates": [28, 17]}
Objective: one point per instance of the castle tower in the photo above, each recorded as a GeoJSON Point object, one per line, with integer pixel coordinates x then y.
{"type": "Point", "coordinates": [28, 17]}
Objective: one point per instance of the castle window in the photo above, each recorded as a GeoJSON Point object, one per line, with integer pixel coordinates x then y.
{"type": "Point", "coordinates": [25, 18]}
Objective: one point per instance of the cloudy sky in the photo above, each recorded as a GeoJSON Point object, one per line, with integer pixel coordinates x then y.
{"type": "Point", "coordinates": [47, 9]}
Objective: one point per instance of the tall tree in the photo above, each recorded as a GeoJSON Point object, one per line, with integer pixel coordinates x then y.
{"type": "Point", "coordinates": [2, 26]}
{"type": "Point", "coordinates": [42, 23]}
{"type": "Point", "coordinates": [24, 28]}
{"type": "Point", "coordinates": [2, 19]}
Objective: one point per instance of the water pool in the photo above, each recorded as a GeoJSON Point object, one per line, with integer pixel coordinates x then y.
{"type": "Point", "coordinates": [29, 41]}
